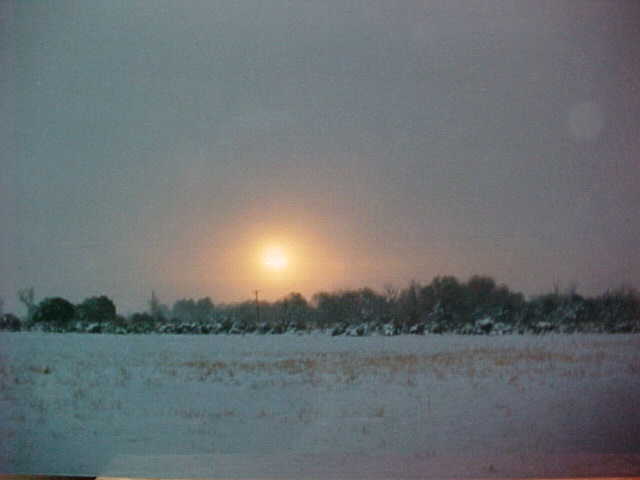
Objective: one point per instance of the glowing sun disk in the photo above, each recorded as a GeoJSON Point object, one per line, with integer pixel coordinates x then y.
{"type": "Point", "coordinates": [275, 259]}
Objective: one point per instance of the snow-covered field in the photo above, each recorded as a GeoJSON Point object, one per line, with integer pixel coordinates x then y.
{"type": "Point", "coordinates": [319, 407]}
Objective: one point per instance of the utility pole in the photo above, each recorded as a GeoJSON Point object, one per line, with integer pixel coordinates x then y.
{"type": "Point", "coordinates": [257, 307]}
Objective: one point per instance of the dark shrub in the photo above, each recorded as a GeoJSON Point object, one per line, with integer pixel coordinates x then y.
{"type": "Point", "coordinates": [339, 330]}
{"type": "Point", "coordinates": [10, 322]}
{"type": "Point", "coordinates": [619, 310]}
{"type": "Point", "coordinates": [141, 323]}
{"type": "Point", "coordinates": [189, 310]}
{"type": "Point", "coordinates": [96, 310]}
{"type": "Point", "coordinates": [54, 313]}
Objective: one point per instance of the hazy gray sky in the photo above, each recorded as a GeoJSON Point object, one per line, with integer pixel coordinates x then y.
{"type": "Point", "coordinates": [156, 144]}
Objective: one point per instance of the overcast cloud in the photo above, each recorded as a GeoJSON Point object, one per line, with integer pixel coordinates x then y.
{"type": "Point", "coordinates": [413, 138]}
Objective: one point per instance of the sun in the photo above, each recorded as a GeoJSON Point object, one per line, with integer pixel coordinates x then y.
{"type": "Point", "coordinates": [275, 259]}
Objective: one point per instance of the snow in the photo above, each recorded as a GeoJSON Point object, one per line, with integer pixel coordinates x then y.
{"type": "Point", "coordinates": [319, 406]}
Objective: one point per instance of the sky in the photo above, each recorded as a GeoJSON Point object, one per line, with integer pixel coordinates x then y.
{"type": "Point", "coordinates": [160, 146]}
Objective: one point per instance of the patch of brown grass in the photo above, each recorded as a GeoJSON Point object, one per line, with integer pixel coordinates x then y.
{"type": "Point", "coordinates": [379, 412]}
{"type": "Point", "coordinates": [46, 370]}
{"type": "Point", "coordinates": [204, 365]}
{"type": "Point", "coordinates": [349, 367]}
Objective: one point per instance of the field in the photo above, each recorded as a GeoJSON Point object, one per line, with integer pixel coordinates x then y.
{"type": "Point", "coordinates": [316, 406]}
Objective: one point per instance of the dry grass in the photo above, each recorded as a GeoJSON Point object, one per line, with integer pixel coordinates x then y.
{"type": "Point", "coordinates": [203, 415]}
{"type": "Point", "coordinates": [46, 370]}
{"type": "Point", "coordinates": [350, 368]}
{"type": "Point", "coordinates": [262, 414]}
{"type": "Point", "coordinates": [123, 377]}
{"type": "Point", "coordinates": [206, 368]}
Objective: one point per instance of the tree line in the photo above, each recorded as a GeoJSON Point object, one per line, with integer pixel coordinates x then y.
{"type": "Point", "coordinates": [446, 305]}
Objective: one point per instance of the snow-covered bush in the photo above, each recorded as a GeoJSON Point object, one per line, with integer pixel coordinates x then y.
{"type": "Point", "coordinates": [339, 330]}
{"type": "Point", "coordinates": [543, 327]}
{"type": "Point", "coordinates": [357, 330]}
{"type": "Point", "coordinates": [500, 328]}
{"type": "Point", "coordinates": [10, 322]}
{"type": "Point", "coordinates": [389, 329]}
{"type": "Point", "coordinates": [94, 328]}
{"type": "Point", "coordinates": [237, 328]}
{"type": "Point", "coordinates": [485, 325]}
{"type": "Point", "coordinates": [467, 329]}
{"type": "Point", "coordinates": [141, 323]}
{"type": "Point", "coordinates": [278, 329]}
{"type": "Point", "coordinates": [262, 328]}
{"type": "Point", "coordinates": [446, 305]}
{"type": "Point", "coordinates": [417, 329]}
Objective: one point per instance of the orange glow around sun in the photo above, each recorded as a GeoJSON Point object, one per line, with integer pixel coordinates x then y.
{"type": "Point", "coordinates": [272, 256]}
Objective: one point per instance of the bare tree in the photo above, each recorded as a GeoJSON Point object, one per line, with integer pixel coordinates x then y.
{"type": "Point", "coordinates": [27, 298]}
{"type": "Point", "coordinates": [157, 310]}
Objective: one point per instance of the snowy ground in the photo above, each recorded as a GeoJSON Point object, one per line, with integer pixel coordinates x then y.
{"type": "Point", "coordinates": [318, 406]}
